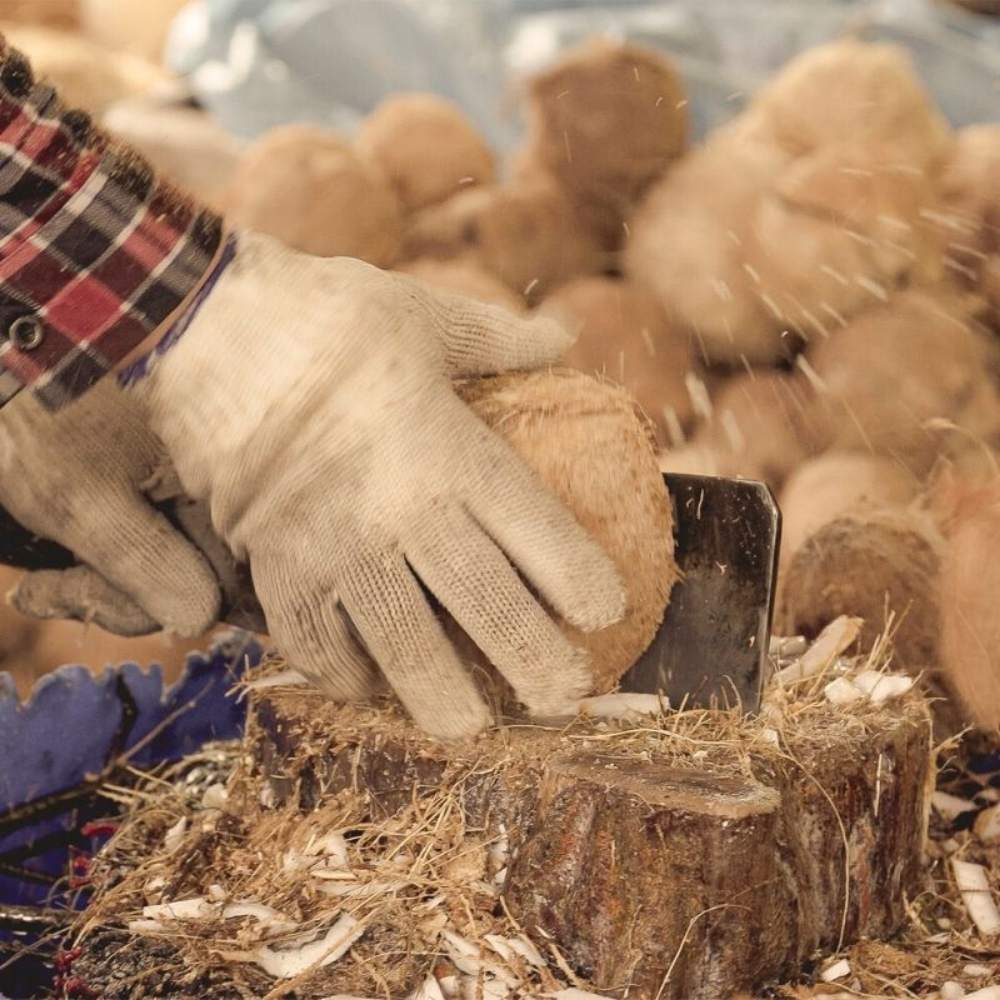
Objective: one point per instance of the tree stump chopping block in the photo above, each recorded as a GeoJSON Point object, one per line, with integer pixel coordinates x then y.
{"type": "Point", "coordinates": [684, 867]}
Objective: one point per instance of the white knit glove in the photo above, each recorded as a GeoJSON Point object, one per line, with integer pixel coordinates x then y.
{"type": "Point", "coordinates": [309, 402]}
{"type": "Point", "coordinates": [77, 477]}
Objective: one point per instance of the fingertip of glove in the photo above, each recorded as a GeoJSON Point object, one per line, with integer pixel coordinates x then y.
{"type": "Point", "coordinates": [565, 686]}
{"type": "Point", "coordinates": [453, 722]}
{"type": "Point", "coordinates": [601, 600]}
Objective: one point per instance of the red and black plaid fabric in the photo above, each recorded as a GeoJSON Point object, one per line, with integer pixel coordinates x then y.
{"type": "Point", "coordinates": [92, 247]}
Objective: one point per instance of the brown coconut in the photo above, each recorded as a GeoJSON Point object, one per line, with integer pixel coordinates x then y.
{"type": "Point", "coordinates": [969, 186]}
{"type": "Point", "coordinates": [606, 120]}
{"type": "Point", "coordinates": [84, 75]}
{"type": "Point", "coordinates": [871, 562]}
{"type": "Point", "coordinates": [758, 427]}
{"type": "Point", "coordinates": [812, 206]}
{"type": "Point", "coordinates": [525, 232]}
{"type": "Point", "coordinates": [689, 242]}
{"type": "Point", "coordinates": [968, 596]}
{"type": "Point", "coordinates": [465, 276]}
{"type": "Point", "coordinates": [823, 488]}
{"type": "Point", "coordinates": [50, 13]}
{"type": "Point", "coordinates": [305, 186]}
{"type": "Point", "coordinates": [427, 148]}
{"type": "Point", "coordinates": [592, 447]}
{"type": "Point", "coordinates": [183, 144]}
{"type": "Point", "coordinates": [139, 27]}
{"type": "Point", "coordinates": [897, 376]}
{"type": "Point", "coordinates": [624, 334]}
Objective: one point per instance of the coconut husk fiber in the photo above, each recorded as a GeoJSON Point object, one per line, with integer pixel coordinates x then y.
{"type": "Point", "coordinates": [305, 186]}
{"type": "Point", "coordinates": [427, 147]}
{"type": "Point", "coordinates": [606, 120]}
{"type": "Point", "coordinates": [593, 448]}
{"type": "Point", "coordinates": [623, 333]}
{"type": "Point", "coordinates": [525, 232]}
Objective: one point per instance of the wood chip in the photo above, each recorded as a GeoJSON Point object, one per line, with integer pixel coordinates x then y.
{"type": "Point", "coordinates": [974, 885]}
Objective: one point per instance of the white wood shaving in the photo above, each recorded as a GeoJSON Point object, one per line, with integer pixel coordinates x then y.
{"type": "Point", "coordinates": [951, 990]}
{"type": "Point", "coordinates": [974, 885]}
{"type": "Point", "coordinates": [988, 993]}
{"type": "Point", "coordinates": [196, 908]}
{"type": "Point", "coordinates": [841, 691]}
{"type": "Point", "coordinates": [838, 636]}
{"type": "Point", "coordinates": [622, 705]}
{"type": "Point", "coordinates": [429, 989]}
{"type": "Point", "coordinates": [975, 970]}
{"type": "Point", "coordinates": [987, 826]}
{"type": "Point", "coordinates": [836, 971]}
{"type": "Point", "coordinates": [174, 837]}
{"type": "Point", "coordinates": [880, 687]}
{"type": "Point", "coordinates": [215, 797]}
{"type": "Point", "coordinates": [288, 963]}
{"type": "Point", "coordinates": [285, 678]}
{"type": "Point", "coordinates": [950, 806]}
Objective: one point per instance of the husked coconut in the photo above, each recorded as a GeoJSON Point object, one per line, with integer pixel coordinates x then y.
{"type": "Point", "coordinates": [466, 276]}
{"type": "Point", "coordinates": [427, 148]}
{"type": "Point", "coordinates": [623, 333]}
{"type": "Point", "coordinates": [970, 215]}
{"type": "Point", "coordinates": [870, 562]}
{"type": "Point", "coordinates": [967, 593]}
{"type": "Point", "coordinates": [758, 427]}
{"type": "Point", "coordinates": [84, 75]}
{"type": "Point", "coordinates": [50, 13]}
{"type": "Point", "coordinates": [897, 376]}
{"type": "Point", "coordinates": [305, 186]}
{"type": "Point", "coordinates": [183, 144]}
{"type": "Point", "coordinates": [811, 207]}
{"type": "Point", "coordinates": [592, 447]}
{"type": "Point", "coordinates": [823, 488]}
{"type": "Point", "coordinates": [606, 120]}
{"type": "Point", "coordinates": [136, 26]}
{"type": "Point", "coordinates": [525, 232]}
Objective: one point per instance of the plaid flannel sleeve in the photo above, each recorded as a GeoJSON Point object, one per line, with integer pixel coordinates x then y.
{"type": "Point", "coordinates": [96, 254]}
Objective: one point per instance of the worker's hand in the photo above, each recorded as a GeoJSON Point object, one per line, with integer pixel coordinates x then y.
{"type": "Point", "coordinates": [77, 477]}
{"type": "Point", "coordinates": [310, 403]}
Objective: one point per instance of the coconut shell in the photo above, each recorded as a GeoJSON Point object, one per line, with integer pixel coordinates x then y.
{"type": "Point", "coordinates": [465, 276]}
{"type": "Point", "coordinates": [624, 334]}
{"type": "Point", "coordinates": [591, 446]}
{"type": "Point", "coordinates": [84, 75]}
{"type": "Point", "coordinates": [606, 120]}
{"type": "Point", "coordinates": [759, 427]}
{"type": "Point", "coordinates": [893, 374]}
{"type": "Point", "coordinates": [526, 233]}
{"type": "Point", "coordinates": [305, 186]}
{"type": "Point", "coordinates": [968, 595]}
{"type": "Point", "coordinates": [823, 488]}
{"type": "Point", "coordinates": [427, 148]}
{"type": "Point", "coordinates": [139, 27]}
{"type": "Point", "coordinates": [869, 562]}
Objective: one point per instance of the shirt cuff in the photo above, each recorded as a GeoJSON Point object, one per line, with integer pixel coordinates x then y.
{"type": "Point", "coordinates": [96, 254]}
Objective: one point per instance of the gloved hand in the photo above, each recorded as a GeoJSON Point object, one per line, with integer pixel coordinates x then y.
{"type": "Point", "coordinates": [309, 403]}
{"type": "Point", "coordinates": [77, 477]}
